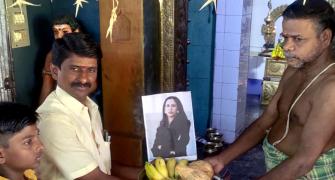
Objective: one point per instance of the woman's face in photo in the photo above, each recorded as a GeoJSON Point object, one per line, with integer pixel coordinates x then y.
{"type": "Point", "coordinates": [170, 108]}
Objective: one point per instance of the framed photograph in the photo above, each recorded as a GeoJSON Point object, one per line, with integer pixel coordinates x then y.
{"type": "Point", "coordinates": [169, 125]}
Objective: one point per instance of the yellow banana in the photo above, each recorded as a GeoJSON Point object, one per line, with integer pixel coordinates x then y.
{"type": "Point", "coordinates": [171, 165]}
{"type": "Point", "coordinates": [152, 172]}
{"type": "Point", "coordinates": [161, 167]}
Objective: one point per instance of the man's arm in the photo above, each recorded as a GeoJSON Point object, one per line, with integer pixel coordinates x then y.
{"type": "Point", "coordinates": [97, 174]}
{"type": "Point", "coordinates": [122, 172]}
{"type": "Point", "coordinates": [250, 137]}
{"type": "Point", "coordinates": [317, 133]}
{"type": "Point", "coordinates": [256, 131]}
{"type": "Point", "coordinates": [48, 83]}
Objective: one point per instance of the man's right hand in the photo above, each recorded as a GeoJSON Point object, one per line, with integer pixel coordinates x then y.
{"type": "Point", "coordinates": [216, 163]}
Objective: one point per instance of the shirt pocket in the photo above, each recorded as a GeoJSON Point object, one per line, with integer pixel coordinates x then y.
{"type": "Point", "coordinates": [106, 156]}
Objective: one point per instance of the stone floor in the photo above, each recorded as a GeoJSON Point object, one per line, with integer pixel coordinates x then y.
{"type": "Point", "coordinates": [250, 165]}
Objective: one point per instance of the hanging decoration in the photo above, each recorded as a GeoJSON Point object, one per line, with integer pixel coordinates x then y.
{"type": "Point", "coordinates": [79, 4]}
{"type": "Point", "coordinates": [207, 3]}
{"type": "Point", "coordinates": [20, 3]}
{"type": "Point", "coordinates": [112, 20]}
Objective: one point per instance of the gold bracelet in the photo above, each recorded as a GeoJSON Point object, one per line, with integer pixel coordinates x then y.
{"type": "Point", "coordinates": [44, 72]}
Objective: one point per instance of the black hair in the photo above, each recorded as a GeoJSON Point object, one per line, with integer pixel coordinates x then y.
{"type": "Point", "coordinates": [179, 117]}
{"type": "Point", "coordinates": [318, 10]}
{"type": "Point", "coordinates": [74, 44]}
{"type": "Point", "coordinates": [13, 118]}
{"type": "Point", "coordinates": [67, 19]}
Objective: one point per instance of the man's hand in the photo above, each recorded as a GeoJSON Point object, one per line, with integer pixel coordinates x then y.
{"type": "Point", "coordinates": [216, 163]}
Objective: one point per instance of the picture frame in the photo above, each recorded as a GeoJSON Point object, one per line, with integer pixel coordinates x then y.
{"type": "Point", "coordinates": [165, 138]}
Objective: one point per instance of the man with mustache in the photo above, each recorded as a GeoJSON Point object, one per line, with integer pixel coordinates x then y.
{"type": "Point", "coordinates": [60, 25]}
{"type": "Point", "coordinates": [70, 124]}
{"type": "Point", "coordinates": [298, 126]}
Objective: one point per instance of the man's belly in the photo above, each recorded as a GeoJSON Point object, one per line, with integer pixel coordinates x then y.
{"type": "Point", "coordinates": [291, 142]}
{"type": "Point", "coordinates": [323, 168]}
{"type": "Point", "coordinates": [288, 145]}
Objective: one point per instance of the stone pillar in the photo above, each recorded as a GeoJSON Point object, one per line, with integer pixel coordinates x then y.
{"type": "Point", "coordinates": [233, 24]}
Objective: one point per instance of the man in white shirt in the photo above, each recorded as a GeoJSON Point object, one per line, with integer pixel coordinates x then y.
{"type": "Point", "coordinates": [70, 123]}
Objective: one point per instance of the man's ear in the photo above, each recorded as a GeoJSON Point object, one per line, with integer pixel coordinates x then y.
{"type": "Point", "coordinates": [2, 155]}
{"type": "Point", "coordinates": [326, 37]}
{"type": "Point", "coordinates": [54, 71]}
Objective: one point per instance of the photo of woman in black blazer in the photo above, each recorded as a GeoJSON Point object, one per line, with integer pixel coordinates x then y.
{"type": "Point", "coordinates": [172, 135]}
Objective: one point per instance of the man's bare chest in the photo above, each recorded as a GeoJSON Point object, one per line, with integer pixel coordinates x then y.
{"type": "Point", "coordinates": [295, 103]}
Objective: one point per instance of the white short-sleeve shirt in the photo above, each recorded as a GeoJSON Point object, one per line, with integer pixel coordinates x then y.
{"type": "Point", "coordinates": [72, 135]}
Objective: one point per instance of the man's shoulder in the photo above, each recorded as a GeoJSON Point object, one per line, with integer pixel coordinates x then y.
{"type": "Point", "coordinates": [52, 108]}
{"type": "Point", "coordinates": [323, 90]}
{"type": "Point", "coordinates": [327, 84]}
{"type": "Point", "coordinates": [51, 104]}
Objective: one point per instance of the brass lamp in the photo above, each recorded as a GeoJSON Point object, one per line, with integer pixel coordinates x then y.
{"type": "Point", "coordinates": [269, 33]}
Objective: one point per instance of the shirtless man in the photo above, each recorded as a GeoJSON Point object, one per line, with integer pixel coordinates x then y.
{"type": "Point", "coordinates": [298, 126]}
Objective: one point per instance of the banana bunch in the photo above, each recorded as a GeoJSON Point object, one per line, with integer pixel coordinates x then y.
{"type": "Point", "coordinates": [171, 169]}
{"type": "Point", "coordinates": [152, 172]}
{"type": "Point", "coordinates": [163, 170]}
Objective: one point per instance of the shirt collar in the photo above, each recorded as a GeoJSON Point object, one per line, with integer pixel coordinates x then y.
{"type": "Point", "coordinates": [72, 103]}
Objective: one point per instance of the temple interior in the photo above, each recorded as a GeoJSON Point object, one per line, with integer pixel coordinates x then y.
{"type": "Point", "coordinates": [219, 53]}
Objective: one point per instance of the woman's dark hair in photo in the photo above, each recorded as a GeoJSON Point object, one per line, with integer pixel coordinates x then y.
{"type": "Point", "coordinates": [181, 115]}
